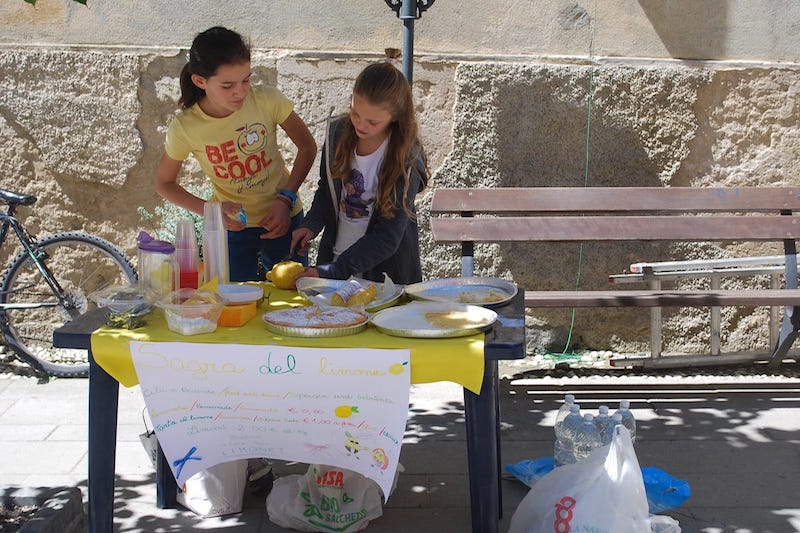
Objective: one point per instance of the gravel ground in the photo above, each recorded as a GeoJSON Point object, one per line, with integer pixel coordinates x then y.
{"type": "Point", "coordinates": [596, 364]}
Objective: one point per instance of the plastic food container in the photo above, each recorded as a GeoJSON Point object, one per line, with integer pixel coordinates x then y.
{"type": "Point", "coordinates": [191, 311]}
{"type": "Point", "coordinates": [128, 306]}
{"type": "Point", "coordinates": [240, 294]}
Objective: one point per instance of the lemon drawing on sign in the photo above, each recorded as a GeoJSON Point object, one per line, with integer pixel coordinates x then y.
{"type": "Point", "coordinates": [397, 368]}
{"type": "Point", "coordinates": [283, 273]}
{"type": "Point", "coordinates": [345, 411]}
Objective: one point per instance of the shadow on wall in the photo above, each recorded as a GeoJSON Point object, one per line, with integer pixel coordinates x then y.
{"type": "Point", "coordinates": [544, 145]}
{"type": "Point", "coordinates": [689, 29]}
{"type": "Point", "coordinates": [542, 142]}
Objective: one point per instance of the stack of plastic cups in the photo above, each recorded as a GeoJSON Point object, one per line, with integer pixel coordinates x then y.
{"type": "Point", "coordinates": [187, 254]}
{"type": "Point", "coordinates": [215, 244]}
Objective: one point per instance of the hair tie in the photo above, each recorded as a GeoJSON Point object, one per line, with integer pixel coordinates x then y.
{"type": "Point", "coordinates": [392, 55]}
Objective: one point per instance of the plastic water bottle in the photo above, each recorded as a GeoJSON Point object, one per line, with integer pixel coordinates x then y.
{"type": "Point", "coordinates": [565, 433]}
{"type": "Point", "coordinates": [587, 438]}
{"type": "Point", "coordinates": [563, 411]}
{"type": "Point", "coordinates": [627, 417]}
{"type": "Point", "coordinates": [608, 434]}
{"type": "Point", "coordinates": [602, 419]}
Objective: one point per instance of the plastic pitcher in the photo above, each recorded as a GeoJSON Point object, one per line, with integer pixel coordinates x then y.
{"type": "Point", "coordinates": [159, 273]}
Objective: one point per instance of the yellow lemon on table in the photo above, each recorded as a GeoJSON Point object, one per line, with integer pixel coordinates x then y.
{"type": "Point", "coordinates": [283, 273]}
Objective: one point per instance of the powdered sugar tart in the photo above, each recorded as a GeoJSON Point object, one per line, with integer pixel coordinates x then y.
{"type": "Point", "coordinates": [316, 321]}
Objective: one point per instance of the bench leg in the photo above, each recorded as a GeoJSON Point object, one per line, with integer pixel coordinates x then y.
{"type": "Point", "coordinates": [103, 406]}
{"type": "Point", "coordinates": [790, 330]}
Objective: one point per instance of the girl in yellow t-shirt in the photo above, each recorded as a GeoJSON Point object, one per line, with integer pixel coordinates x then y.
{"type": "Point", "coordinates": [230, 127]}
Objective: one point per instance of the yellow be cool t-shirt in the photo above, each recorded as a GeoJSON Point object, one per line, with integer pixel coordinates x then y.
{"type": "Point", "coordinates": [239, 153]}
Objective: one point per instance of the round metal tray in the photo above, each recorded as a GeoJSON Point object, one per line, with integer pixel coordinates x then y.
{"type": "Point", "coordinates": [300, 331]}
{"type": "Point", "coordinates": [486, 292]}
{"type": "Point", "coordinates": [409, 320]}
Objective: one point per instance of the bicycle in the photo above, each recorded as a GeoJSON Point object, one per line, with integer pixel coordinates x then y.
{"type": "Point", "coordinates": [47, 284]}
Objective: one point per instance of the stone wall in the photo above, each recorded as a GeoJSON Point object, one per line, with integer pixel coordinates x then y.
{"type": "Point", "coordinates": [698, 94]}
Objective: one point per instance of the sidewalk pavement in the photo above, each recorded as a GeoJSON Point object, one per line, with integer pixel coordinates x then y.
{"type": "Point", "coordinates": [735, 440]}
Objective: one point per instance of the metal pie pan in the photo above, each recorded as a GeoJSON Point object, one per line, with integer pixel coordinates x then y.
{"type": "Point", "coordinates": [409, 320]}
{"type": "Point", "coordinates": [319, 333]}
{"type": "Point", "coordinates": [470, 290]}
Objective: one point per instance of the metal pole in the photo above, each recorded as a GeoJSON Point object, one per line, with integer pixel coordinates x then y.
{"type": "Point", "coordinates": [408, 49]}
{"type": "Point", "coordinates": [408, 14]}
{"type": "Point", "coordinates": [408, 11]}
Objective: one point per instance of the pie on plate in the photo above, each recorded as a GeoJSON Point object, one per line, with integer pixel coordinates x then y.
{"type": "Point", "coordinates": [315, 321]}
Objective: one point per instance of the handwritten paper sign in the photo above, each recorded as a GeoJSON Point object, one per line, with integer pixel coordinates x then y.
{"type": "Point", "coordinates": [212, 403]}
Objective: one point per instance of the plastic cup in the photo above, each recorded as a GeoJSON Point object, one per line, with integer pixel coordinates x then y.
{"type": "Point", "coordinates": [186, 252]}
{"type": "Point", "coordinates": [215, 244]}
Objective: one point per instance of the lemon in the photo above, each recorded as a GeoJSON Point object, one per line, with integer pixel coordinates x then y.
{"type": "Point", "coordinates": [397, 368]}
{"type": "Point", "coordinates": [282, 274]}
{"type": "Point", "coordinates": [345, 411]}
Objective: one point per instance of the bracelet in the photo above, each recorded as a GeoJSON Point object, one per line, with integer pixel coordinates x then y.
{"type": "Point", "coordinates": [290, 195]}
{"type": "Point", "coordinates": [286, 200]}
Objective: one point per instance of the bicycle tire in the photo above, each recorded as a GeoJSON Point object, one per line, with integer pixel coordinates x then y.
{"type": "Point", "coordinates": [82, 264]}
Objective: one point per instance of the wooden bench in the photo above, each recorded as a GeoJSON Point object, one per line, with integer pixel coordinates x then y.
{"type": "Point", "coordinates": [608, 214]}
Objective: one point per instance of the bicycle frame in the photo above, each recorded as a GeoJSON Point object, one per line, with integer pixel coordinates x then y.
{"type": "Point", "coordinates": [27, 242]}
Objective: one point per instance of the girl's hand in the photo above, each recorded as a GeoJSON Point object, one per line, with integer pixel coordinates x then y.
{"type": "Point", "coordinates": [230, 215]}
{"type": "Point", "coordinates": [276, 221]}
{"type": "Point", "coordinates": [301, 240]}
{"type": "Point", "coordinates": [310, 272]}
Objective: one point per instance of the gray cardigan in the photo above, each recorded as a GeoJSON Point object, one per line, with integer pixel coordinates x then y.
{"type": "Point", "coordinates": [389, 245]}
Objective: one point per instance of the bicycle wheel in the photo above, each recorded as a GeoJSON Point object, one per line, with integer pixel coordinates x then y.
{"type": "Point", "coordinates": [81, 264]}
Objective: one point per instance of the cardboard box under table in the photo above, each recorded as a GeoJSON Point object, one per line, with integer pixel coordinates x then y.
{"type": "Point", "coordinates": [469, 361]}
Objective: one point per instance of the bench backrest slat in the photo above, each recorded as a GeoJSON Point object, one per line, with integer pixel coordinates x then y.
{"type": "Point", "coordinates": [511, 200]}
{"type": "Point", "coordinates": [615, 228]}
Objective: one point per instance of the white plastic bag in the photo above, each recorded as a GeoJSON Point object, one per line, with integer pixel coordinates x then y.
{"type": "Point", "coordinates": [604, 493]}
{"type": "Point", "coordinates": [216, 491]}
{"type": "Point", "coordinates": [325, 498]}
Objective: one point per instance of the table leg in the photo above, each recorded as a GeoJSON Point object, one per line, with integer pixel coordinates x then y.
{"type": "Point", "coordinates": [166, 486]}
{"type": "Point", "coordinates": [483, 455]}
{"type": "Point", "coordinates": [103, 406]}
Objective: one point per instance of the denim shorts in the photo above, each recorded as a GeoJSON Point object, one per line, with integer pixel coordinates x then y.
{"type": "Point", "coordinates": [250, 256]}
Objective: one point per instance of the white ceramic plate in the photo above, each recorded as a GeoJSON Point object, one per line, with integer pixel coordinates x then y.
{"type": "Point", "coordinates": [433, 319]}
{"type": "Point", "coordinates": [488, 292]}
{"type": "Point", "coordinates": [240, 294]}
{"type": "Point", "coordinates": [319, 291]}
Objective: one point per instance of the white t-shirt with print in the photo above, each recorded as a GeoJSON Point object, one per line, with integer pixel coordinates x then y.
{"type": "Point", "coordinates": [358, 198]}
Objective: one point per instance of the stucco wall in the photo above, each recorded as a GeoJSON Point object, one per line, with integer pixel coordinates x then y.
{"type": "Point", "coordinates": [683, 93]}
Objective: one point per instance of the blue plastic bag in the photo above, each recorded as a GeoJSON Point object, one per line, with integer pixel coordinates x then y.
{"type": "Point", "coordinates": [530, 471]}
{"type": "Point", "coordinates": [664, 492]}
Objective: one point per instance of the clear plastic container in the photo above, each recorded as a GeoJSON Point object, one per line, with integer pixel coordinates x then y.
{"type": "Point", "coordinates": [159, 273]}
{"type": "Point", "coordinates": [192, 312]}
{"type": "Point", "coordinates": [628, 419]}
{"type": "Point", "coordinates": [128, 307]}
{"type": "Point", "coordinates": [602, 419]}
{"type": "Point", "coordinates": [563, 453]}
{"type": "Point", "coordinates": [215, 244]}
{"type": "Point", "coordinates": [587, 439]}
{"type": "Point", "coordinates": [187, 254]}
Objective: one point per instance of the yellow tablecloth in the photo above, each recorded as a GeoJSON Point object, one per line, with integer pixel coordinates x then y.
{"type": "Point", "coordinates": [459, 360]}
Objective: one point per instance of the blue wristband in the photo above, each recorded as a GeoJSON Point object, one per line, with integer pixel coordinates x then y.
{"type": "Point", "coordinates": [289, 194]}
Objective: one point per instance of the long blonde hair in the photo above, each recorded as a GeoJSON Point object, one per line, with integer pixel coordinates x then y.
{"type": "Point", "coordinates": [382, 84]}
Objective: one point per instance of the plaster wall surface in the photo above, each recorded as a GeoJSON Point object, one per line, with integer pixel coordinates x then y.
{"type": "Point", "coordinates": [682, 93]}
